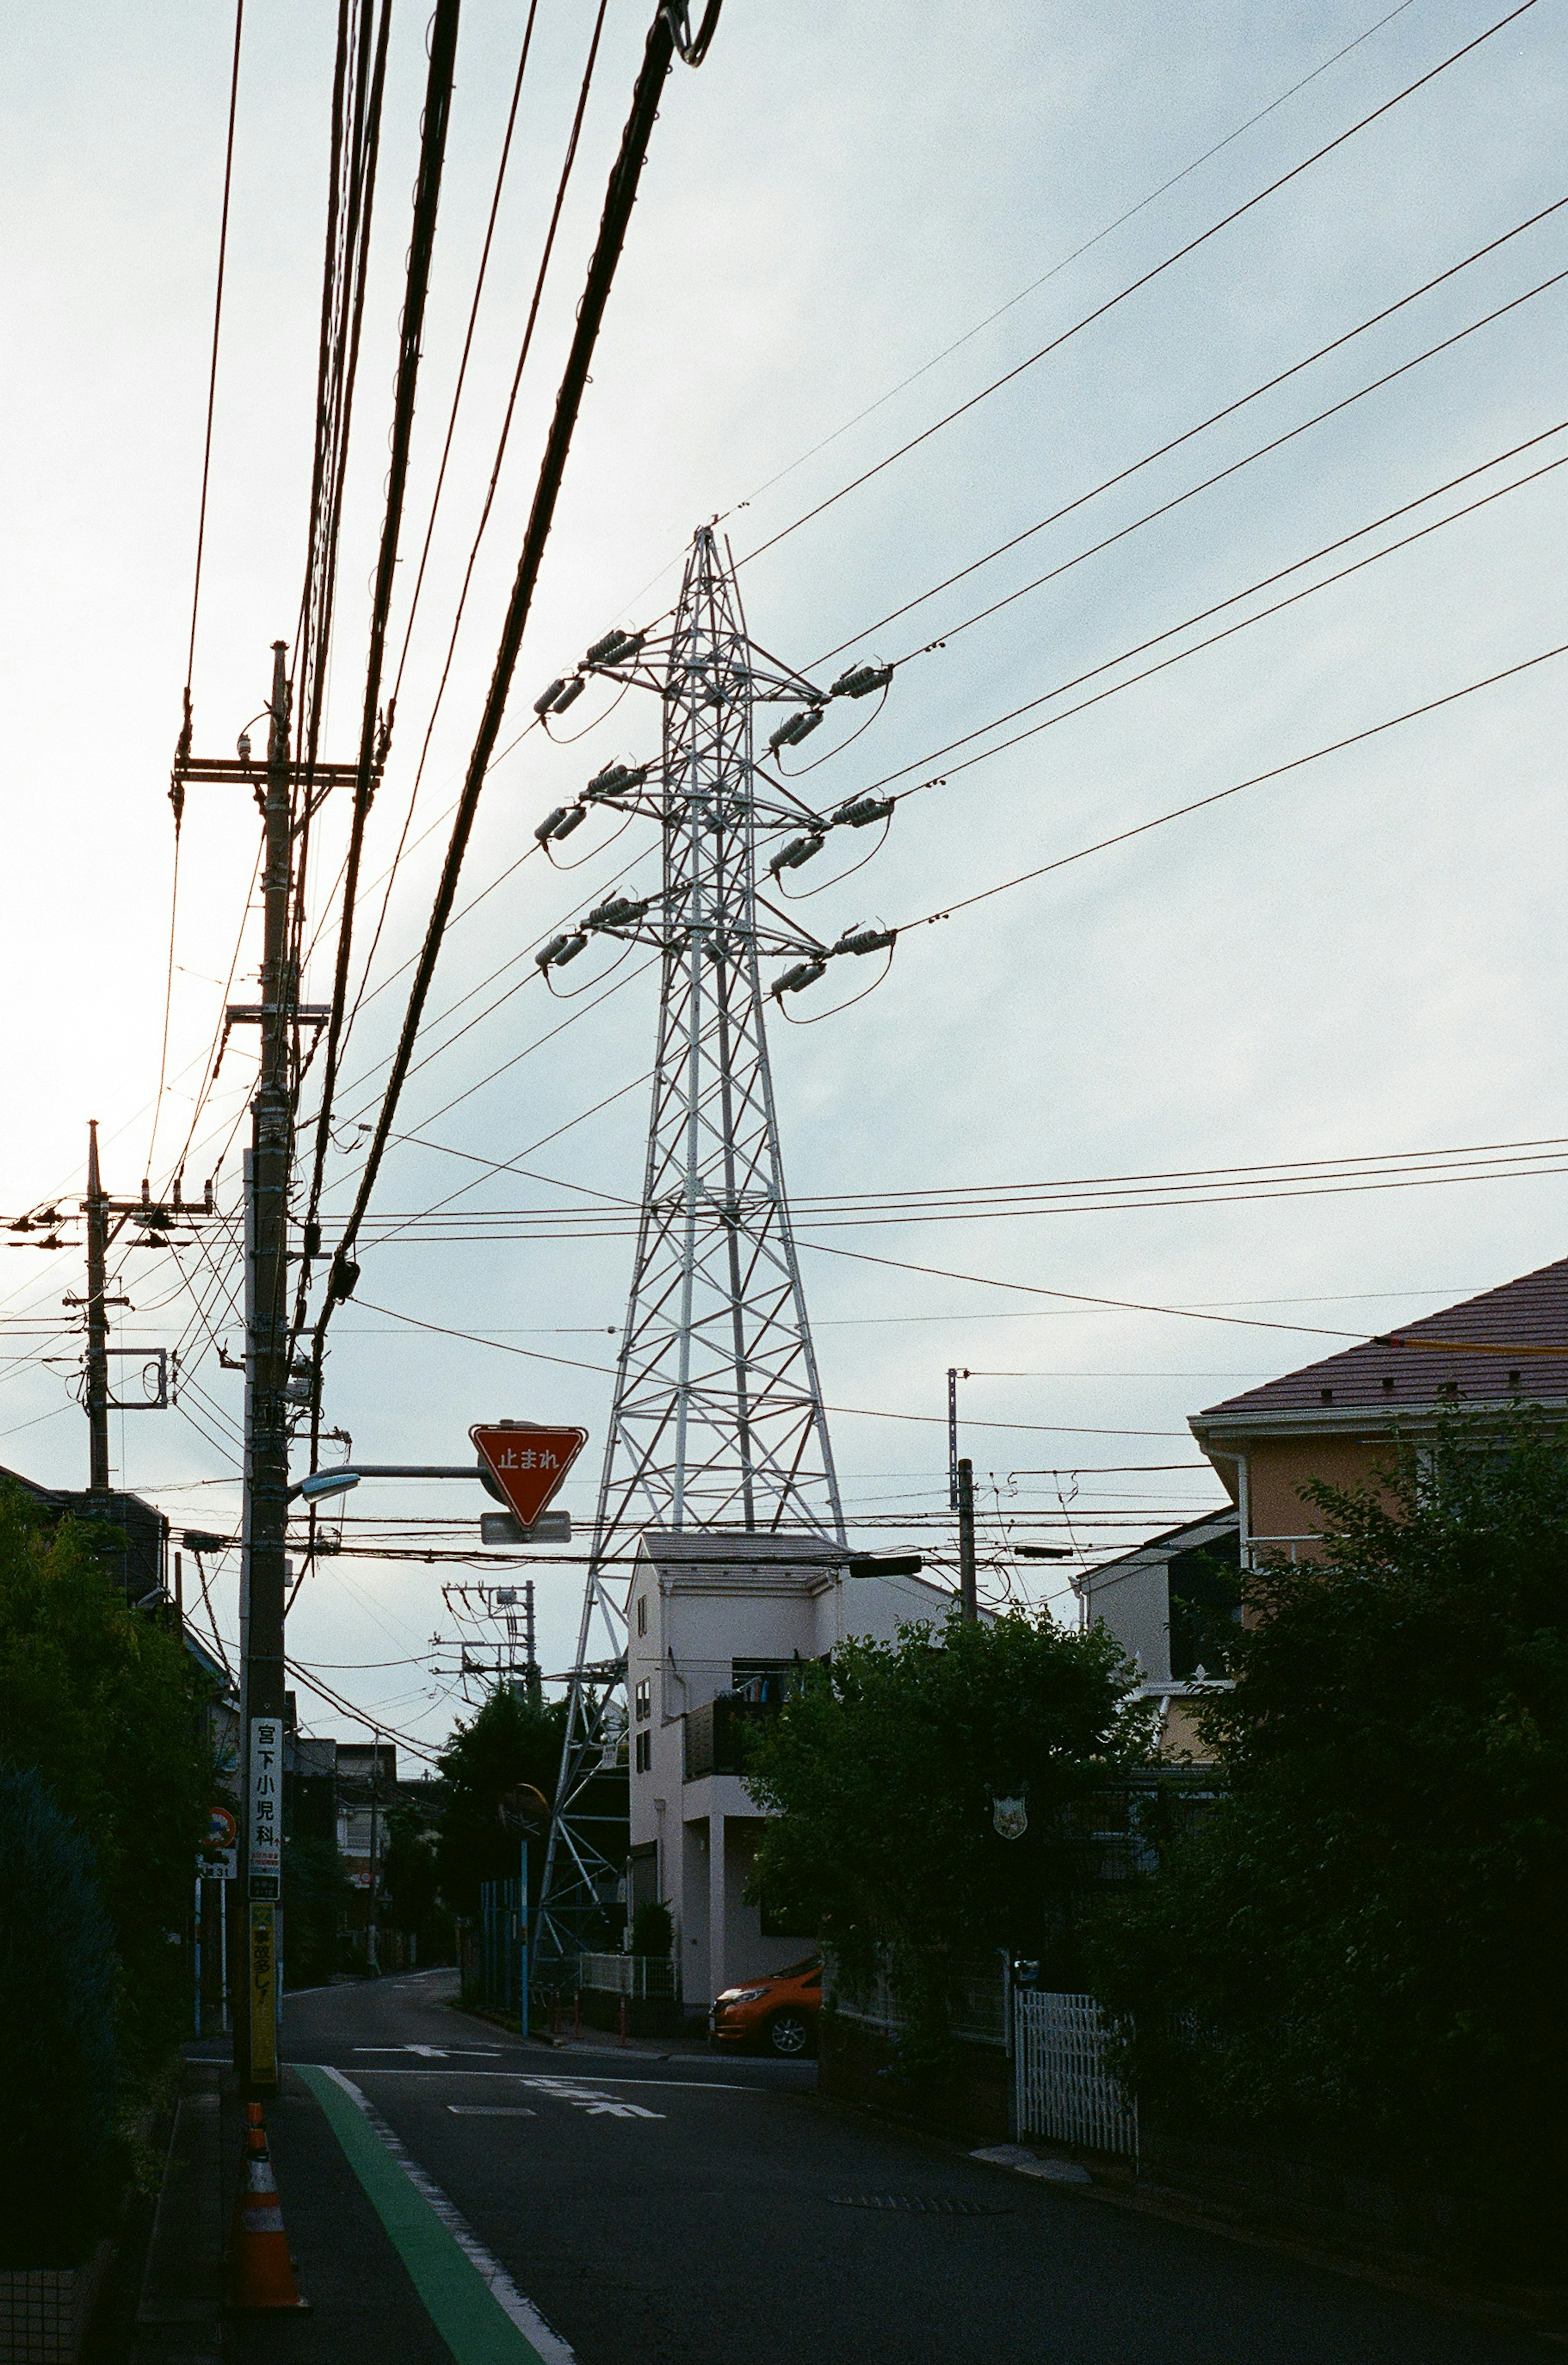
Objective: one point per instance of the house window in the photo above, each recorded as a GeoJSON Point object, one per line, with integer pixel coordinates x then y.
{"type": "Point", "coordinates": [641, 1613]}
{"type": "Point", "coordinates": [644, 1700]}
{"type": "Point", "coordinates": [645, 1753]}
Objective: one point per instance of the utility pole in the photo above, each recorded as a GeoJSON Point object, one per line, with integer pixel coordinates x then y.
{"type": "Point", "coordinates": [97, 1213]}
{"type": "Point", "coordinates": [262, 1575]}
{"type": "Point", "coordinates": [270, 1387]}
{"type": "Point", "coordinates": [968, 1599]}
{"type": "Point", "coordinates": [152, 1223]}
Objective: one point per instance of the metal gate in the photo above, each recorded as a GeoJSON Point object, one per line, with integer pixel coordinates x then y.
{"type": "Point", "coordinates": [502, 1938]}
{"type": "Point", "coordinates": [1062, 2088]}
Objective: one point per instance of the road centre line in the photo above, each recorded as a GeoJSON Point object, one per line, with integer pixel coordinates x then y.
{"type": "Point", "coordinates": [468, 2294]}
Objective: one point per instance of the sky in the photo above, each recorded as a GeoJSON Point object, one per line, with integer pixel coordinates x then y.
{"type": "Point", "coordinates": [851, 223]}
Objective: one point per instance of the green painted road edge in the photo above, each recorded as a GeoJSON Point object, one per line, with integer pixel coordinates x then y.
{"type": "Point", "coordinates": [459, 2302]}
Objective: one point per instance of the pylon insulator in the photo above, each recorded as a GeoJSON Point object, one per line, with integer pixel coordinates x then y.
{"type": "Point", "coordinates": [798, 727]}
{"type": "Point", "coordinates": [799, 850]}
{"type": "Point", "coordinates": [615, 649]}
{"type": "Point", "coordinates": [616, 778]}
{"type": "Point", "coordinates": [560, 824]}
{"type": "Point", "coordinates": [794, 981]}
{"type": "Point", "coordinates": [543, 705]}
{"type": "Point", "coordinates": [561, 949]}
{"type": "Point", "coordinates": [860, 681]}
{"type": "Point", "coordinates": [866, 940]}
{"type": "Point", "coordinates": [570, 692]}
{"type": "Point", "coordinates": [617, 912]}
{"type": "Point", "coordinates": [861, 810]}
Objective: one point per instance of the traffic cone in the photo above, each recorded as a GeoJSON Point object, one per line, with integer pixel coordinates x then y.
{"type": "Point", "coordinates": [260, 2270]}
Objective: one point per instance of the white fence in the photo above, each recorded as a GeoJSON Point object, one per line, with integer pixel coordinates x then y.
{"type": "Point", "coordinates": [1062, 2088]}
{"type": "Point", "coordinates": [638, 1976]}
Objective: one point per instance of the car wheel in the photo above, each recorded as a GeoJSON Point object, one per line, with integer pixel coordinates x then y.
{"type": "Point", "coordinates": [788, 2036]}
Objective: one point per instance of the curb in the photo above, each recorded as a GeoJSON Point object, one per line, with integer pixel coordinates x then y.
{"type": "Point", "coordinates": [1545, 2318]}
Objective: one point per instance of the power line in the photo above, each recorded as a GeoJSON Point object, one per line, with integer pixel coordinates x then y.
{"type": "Point", "coordinates": [1145, 278]}
{"type": "Point", "coordinates": [1174, 442]}
{"type": "Point", "coordinates": [1277, 771]}
{"type": "Point", "coordinates": [547, 253]}
{"type": "Point", "coordinates": [374, 731]}
{"type": "Point", "coordinates": [1057, 267]}
{"type": "Point", "coordinates": [1249, 591]}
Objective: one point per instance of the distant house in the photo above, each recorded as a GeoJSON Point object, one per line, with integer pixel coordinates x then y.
{"type": "Point", "coordinates": [1163, 1603]}
{"type": "Point", "coordinates": [139, 1561]}
{"type": "Point", "coordinates": [1336, 1419]}
{"type": "Point", "coordinates": [717, 1625]}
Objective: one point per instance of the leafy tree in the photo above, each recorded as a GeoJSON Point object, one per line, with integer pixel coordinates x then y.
{"type": "Point", "coordinates": [653, 1929]}
{"type": "Point", "coordinates": [57, 2155]}
{"type": "Point", "coordinates": [317, 1894]}
{"type": "Point", "coordinates": [411, 1893]}
{"type": "Point", "coordinates": [880, 1774]}
{"type": "Point", "coordinates": [1362, 1947]}
{"type": "Point", "coordinates": [106, 1704]}
{"type": "Point", "coordinates": [512, 1740]}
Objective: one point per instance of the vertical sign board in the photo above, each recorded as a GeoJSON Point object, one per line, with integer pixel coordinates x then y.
{"type": "Point", "coordinates": [263, 1995]}
{"type": "Point", "coordinates": [265, 1854]}
{"type": "Point", "coordinates": [265, 1866]}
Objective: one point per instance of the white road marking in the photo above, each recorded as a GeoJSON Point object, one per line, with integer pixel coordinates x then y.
{"type": "Point", "coordinates": [490, 2111]}
{"type": "Point", "coordinates": [584, 2097]}
{"type": "Point", "coordinates": [517, 2077]}
{"type": "Point", "coordinates": [439, 2052]}
{"type": "Point", "coordinates": [552, 2349]}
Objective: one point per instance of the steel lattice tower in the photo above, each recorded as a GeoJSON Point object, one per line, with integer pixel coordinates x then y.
{"type": "Point", "coordinates": [718, 1418]}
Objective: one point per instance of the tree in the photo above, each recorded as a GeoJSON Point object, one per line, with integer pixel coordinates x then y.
{"type": "Point", "coordinates": [1361, 1948]}
{"type": "Point", "coordinates": [107, 1705]}
{"type": "Point", "coordinates": [512, 1740]}
{"type": "Point", "coordinates": [57, 2084]}
{"type": "Point", "coordinates": [316, 1895]}
{"type": "Point", "coordinates": [410, 1884]}
{"type": "Point", "coordinates": [880, 1776]}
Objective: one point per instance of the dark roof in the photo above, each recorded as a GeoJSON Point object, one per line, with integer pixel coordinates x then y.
{"type": "Point", "coordinates": [1486, 1350]}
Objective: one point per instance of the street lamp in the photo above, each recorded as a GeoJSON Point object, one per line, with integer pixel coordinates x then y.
{"type": "Point", "coordinates": [323, 1483]}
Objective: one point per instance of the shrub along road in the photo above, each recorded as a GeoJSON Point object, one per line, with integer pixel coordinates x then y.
{"type": "Point", "coordinates": [449, 2191]}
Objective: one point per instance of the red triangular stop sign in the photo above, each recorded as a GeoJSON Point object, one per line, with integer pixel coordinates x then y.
{"type": "Point", "coordinates": [528, 1462]}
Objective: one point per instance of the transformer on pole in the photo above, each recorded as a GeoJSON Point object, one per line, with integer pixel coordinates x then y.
{"type": "Point", "coordinates": [718, 1418]}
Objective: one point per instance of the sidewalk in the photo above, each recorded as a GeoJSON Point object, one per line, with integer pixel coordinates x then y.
{"type": "Point", "coordinates": [363, 2305]}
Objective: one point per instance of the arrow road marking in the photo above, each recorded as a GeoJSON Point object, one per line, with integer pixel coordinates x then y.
{"type": "Point", "coordinates": [439, 2052]}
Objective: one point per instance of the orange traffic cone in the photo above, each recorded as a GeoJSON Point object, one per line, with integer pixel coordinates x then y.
{"type": "Point", "coordinates": [260, 2270]}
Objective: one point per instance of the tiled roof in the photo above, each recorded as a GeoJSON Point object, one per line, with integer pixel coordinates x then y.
{"type": "Point", "coordinates": [1419, 1365]}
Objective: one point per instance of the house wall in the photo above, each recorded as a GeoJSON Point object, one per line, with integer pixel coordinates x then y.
{"type": "Point", "coordinates": [690, 1617]}
{"type": "Point", "coordinates": [1278, 1466]}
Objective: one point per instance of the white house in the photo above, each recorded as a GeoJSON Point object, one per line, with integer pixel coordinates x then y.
{"type": "Point", "coordinates": [1154, 1601]}
{"type": "Point", "coordinates": [711, 1615]}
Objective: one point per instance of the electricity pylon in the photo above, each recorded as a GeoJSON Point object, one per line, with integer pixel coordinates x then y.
{"type": "Point", "coordinates": [718, 1418]}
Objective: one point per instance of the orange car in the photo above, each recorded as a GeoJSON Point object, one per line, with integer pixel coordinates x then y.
{"type": "Point", "coordinates": [778, 2013]}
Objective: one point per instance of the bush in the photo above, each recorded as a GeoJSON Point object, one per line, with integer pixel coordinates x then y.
{"type": "Point", "coordinates": [652, 1932]}
{"type": "Point", "coordinates": [1361, 1950]}
{"type": "Point", "coordinates": [107, 1705]}
{"type": "Point", "coordinates": [59, 2163]}
{"type": "Point", "coordinates": [317, 1894]}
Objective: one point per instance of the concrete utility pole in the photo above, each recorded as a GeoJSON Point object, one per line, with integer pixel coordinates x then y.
{"type": "Point", "coordinates": [262, 1575]}
{"type": "Point", "coordinates": [968, 1599]}
{"type": "Point", "coordinates": [269, 1381]}
{"type": "Point", "coordinates": [97, 1213]}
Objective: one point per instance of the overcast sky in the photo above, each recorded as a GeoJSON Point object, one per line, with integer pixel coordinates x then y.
{"type": "Point", "coordinates": [1360, 957]}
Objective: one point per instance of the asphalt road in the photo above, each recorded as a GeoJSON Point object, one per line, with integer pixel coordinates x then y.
{"type": "Point", "coordinates": [703, 2210]}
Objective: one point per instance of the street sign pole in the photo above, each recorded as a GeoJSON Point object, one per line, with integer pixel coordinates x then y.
{"type": "Point", "coordinates": [522, 1938]}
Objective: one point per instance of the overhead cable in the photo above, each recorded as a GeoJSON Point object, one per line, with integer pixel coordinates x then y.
{"type": "Point", "coordinates": [1145, 278]}
{"type": "Point", "coordinates": [374, 733]}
